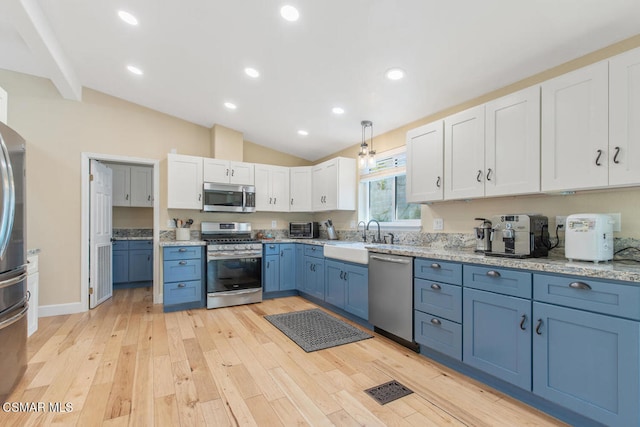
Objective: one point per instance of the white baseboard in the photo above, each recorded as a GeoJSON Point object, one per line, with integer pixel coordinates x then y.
{"type": "Point", "coordinates": [59, 309]}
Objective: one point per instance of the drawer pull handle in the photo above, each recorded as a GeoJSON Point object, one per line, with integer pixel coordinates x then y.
{"type": "Point", "coordinates": [580, 285]}
{"type": "Point", "coordinates": [435, 287]}
{"type": "Point", "coordinates": [183, 263]}
{"type": "Point", "coordinates": [435, 265]}
{"type": "Point", "coordinates": [182, 285]}
{"type": "Point", "coordinates": [493, 273]}
{"type": "Point", "coordinates": [522, 322]}
{"type": "Point", "coordinates": [182, 250]}
{"type": "Point", "coordinates": [271, 246]}
{"type": "Point", "coordinates": [436, 322]}
{"type": "Point", "coordinates": [538, 326]}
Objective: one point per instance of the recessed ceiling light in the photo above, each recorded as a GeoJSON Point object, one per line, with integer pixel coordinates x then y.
{"type": "Point", "coordinates": [127, 17]}
{"type": "Point", "coordinates": [303, 132]}
{"type": "Point", "coordinates": [395, 74]}
{"type": "Point", "coordinates": [337, 110]}
{"type": "Point", "coordinates": [135, 70]}
{"type": "Point", "coordinates": [230, 105]}
{"type": "Point", "coordinates": [289, 13]}
{"type": "Point", "coordinates": [252, 72]}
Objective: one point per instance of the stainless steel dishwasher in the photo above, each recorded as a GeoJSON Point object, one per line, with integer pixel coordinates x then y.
{"type": "Point", "coordinates": [391, 297]}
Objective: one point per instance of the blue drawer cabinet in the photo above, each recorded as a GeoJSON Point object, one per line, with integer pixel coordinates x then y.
{"type": "Point", "coordinates": [437, 303]}
{"type": "Point", "coordinates": [438, 333]}
{"type": "Point", "coordinates": [183, 277]}
{"type": "Point", "coordinates": [347, 287]}
{"type": "Point", "coordinates": [438, 271]}
{"type": "Point", "coordinates": [497, 335]}
{"type": "Point", "coordinates": [502, 281]}
{"type": "Point", "coordinates": [279, 267]}
{"type": "Point", "coordinates": [439, 299]}
{"type": "Point", "coordinates": [599, 296]}
{"type": "Point", "coordinates": [314, 251]}
{"type": "Point", "coordinates": [587, 362]}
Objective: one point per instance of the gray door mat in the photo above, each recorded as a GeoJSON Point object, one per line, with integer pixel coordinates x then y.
{"type": "Point", "coordinates": [316, 330]}
{"type": "Point", "coordinates": [388, 392]}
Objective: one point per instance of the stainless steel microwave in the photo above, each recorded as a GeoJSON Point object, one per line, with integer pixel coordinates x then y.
{"type": "Point", "coordinates": [228, 198]}
{"type": "Point", "coordinates": [303, 230]}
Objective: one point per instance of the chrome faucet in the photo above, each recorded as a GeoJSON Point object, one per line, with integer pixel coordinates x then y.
{"type": "Point", "coordinates": [364, 226]}
{"type": "Point", "coordinates": [375, 239]}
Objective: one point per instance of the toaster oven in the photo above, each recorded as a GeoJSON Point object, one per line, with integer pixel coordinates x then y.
{"type": "Point", "coordinates": [304, 230]}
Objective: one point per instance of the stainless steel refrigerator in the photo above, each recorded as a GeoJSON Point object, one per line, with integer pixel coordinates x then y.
{"type": "Point", "coordinates": [13, 268]}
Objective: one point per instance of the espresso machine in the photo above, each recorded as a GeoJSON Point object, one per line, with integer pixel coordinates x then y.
{"type": "Point", "coordinates": [520, 236]}
{"type": "Point", "coordinates": [483, 235]}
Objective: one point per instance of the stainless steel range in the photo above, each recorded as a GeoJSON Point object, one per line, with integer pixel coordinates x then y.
{"type": "Point", "coordinates": [234, 264]}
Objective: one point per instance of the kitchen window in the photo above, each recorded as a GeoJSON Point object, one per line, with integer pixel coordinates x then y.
{"type": "Point", "coordinates": [383, 192]}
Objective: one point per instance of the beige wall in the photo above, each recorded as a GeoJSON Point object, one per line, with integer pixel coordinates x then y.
{"type": "Point", "coordinates": [458, 216]}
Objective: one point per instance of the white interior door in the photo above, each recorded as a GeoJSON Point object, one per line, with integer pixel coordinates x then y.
{"type": "Point", "coordinates": [100, 226]}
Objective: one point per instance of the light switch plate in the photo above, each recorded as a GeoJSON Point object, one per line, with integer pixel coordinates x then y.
{"type": "Point", "coordinates": [438, 224]}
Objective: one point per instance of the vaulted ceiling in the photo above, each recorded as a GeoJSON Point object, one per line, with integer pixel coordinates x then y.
{"type": "Point", "coordinates": [193, 55]}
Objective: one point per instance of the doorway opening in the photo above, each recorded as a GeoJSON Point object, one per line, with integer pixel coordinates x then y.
{"type": "Point", "coordinates": [144, 221]}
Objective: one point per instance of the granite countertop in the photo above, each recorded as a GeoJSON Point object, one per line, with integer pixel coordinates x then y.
{"type": "Point", "coordinates": [183, 243]}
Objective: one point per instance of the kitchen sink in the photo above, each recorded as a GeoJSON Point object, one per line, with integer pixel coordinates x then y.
{"type": "Point", "coordinates": [347, 251]}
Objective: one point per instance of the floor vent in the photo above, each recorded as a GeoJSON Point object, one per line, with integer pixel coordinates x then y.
{"type": "Point", "coordinates": [388, 392]}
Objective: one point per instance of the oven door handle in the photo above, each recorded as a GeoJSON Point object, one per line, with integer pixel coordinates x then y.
{"type": "Point", "coordinates": [233, 256]}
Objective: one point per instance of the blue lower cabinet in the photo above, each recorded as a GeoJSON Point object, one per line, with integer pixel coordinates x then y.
{"type": "Point", "coordinates": [347, 287]}
{"type": "Point", "coordinates": [132, 262]}
{"type": "Point", "coordinates": [140, 265]}
{"type": "Point", "coordinates": [438, 334]}
{"type": "Point", "coordinates": [497, 335]}
{"type": "Point", "coordinates": [313, 282]}
{"type": "Point", "coordinates": [120, 266]}
{"type": "Point", "coordinates": [279, 267]}
{"type": "Point", "coordinates": [183, 277]}
{"type": "Point", "coordinates": [299, 262]}
{"type": "Point", "coordinates": [587, 362]}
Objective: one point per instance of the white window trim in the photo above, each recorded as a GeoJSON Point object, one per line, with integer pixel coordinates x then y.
{"type": "Point", "coordinates": [402, 225]}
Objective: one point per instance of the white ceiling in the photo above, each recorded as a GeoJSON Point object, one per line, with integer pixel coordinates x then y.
{"type": "Point", "coordinates": [193, 53]}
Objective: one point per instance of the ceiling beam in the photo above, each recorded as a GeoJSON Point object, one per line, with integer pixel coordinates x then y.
{"type": "Point", "coordinates": [34, 28]}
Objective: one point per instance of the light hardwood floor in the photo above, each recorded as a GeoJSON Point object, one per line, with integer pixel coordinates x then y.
{"type": "Point", "coordinates": [128, 363]}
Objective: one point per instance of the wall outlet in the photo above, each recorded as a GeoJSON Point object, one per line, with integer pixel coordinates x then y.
{"type": "Point", "coordinates": [274, 224]}
{"type": "Point", "coordinates": [561, 219]}
{"type": "Point", "coordinates": [171, 223]}
{"type": "Point", "coordinates": [438, 224]}
{"type": "Point", "coordinates": [617, 226]}
{"type": "Point", "coordinates": [352, 224]}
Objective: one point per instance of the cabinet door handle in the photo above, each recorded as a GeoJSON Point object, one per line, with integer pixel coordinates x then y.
{"type": "Point", "coordinates": [598, 158]}
{"type": "Point", "coordinates": [226, 172]}
{"type": "Point", "coordinates": [522, 322]}
{"type": "Point", "coordinates": [345, 275]}
{"type": "Point", "coordinates": [341, 275]}
{"type": "Point", "coordinates": [182, 263]}
{"type": "Point", "coordinates": [200, 197]}
{"type": "Point", "coordinates": [438, 181]}
{"type": "Point", "coordinates": [282, 253]}
{"type": "Point", "coordinates": [233, 171]}
{"type": "Point", "coordinates": [148, 198]}
{"type": "Point", "coordinates": [148, 257]}
{"type": "Point", "coordinates": [291, 201]}
{"type": "Point", "coordinates": [489, 172]}
{"type": "Point", "coordinates": [126, 197]}
{"type": "Point", "coordinates": [615, 156]}
{"type": "Point", "coordinates": [274, 200]}
{"type": "Point", "coordinates": [435, 287]}
{"type": "Point", "coordinates": [182, 285]}
{"type": "Point", "coordinates": [493, 273]}
{"type": "Point", "coordinates": [580, 285]}
{"type": "Point", "coordinates": [270, 200]}
{"type": "Point", "coordinates": [436, 322]}
{"type": "Point", "coordinates": [479, 175]}
{"type": "Point", "coordinates": [435, 265]}
{"type": "Point", "coordinates": [538, 326]}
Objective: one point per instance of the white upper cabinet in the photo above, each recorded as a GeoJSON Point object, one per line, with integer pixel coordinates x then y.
{"type": "Point", "coordinates": [272, 188]}
{"type": "Point", "coordinates": [464, 154]}
{"type": "Point", "coordinates": [228, 172]}
{"type": "Point", "coordinates": [512, 144]}
{"type": "Point", "coordinates": [425, 152]}
{"type": "Point", "coordinates": [184, 186]}
{"type": "Point", "coordinates": [624, 119]}
{"type": "Point", "coordinates": [300, 188]}
{"type": "Point", "coordinates": [4, 105]}
{"type": "Point", "coordinates": [132, 185]}
{"type": "Point", "coordinates": [575, 130]}
{"type": "Point", "coordinates": [334, 185]}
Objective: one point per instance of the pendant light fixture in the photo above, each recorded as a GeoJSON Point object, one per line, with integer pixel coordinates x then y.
{"type": "Point", "coordinates": [367, 154]}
